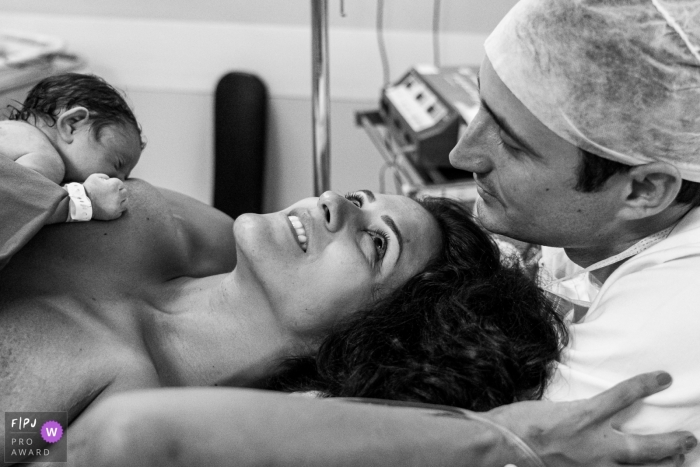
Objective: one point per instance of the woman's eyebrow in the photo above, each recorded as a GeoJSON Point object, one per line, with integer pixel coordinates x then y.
{"type": "Point", "coordinates": [394, 228]}
{"type": "Point", "coordinates": [370, 196]}
{"type": "Point", "coordinates": [389, 221]}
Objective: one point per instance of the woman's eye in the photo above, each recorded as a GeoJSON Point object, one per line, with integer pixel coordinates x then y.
{"type": "Point", "coordinates": [355, 199]}
{"type": "Point", "coordinates": [380, 240]}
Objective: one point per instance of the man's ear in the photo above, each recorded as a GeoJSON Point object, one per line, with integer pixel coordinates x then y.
{"type": "Point", "coordinates": [651, 189]}
{"type": "Point", "coordinates": [71, 121]}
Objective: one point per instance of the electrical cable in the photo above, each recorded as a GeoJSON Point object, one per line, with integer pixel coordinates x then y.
{"type": "Point", "coordinates": [380, 41]}
{"type": "Point", "coordinates": [436, 33]}
{"type": "Point", "coordinates": [382, 175]}
{"type": "Point", "coordinates": [398, 183]}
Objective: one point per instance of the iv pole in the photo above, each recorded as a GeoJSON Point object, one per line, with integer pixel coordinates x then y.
{"type": "Point", "coordinates": [320, 96]}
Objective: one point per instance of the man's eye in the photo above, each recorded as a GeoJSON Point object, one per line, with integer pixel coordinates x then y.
{"type": "Point", "coordinates": [509, 146]}
{"type": "Point", "coordinates": [508, 141]}
{"type": "Point", "coordinates": [503, 143]}
{"type": "Point", "coordinates": [355, 198]}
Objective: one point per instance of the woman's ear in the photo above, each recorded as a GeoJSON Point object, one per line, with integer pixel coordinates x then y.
{"type": "Point", "coordinates": [652, 188]}
{"type": "Point", "coordinates": [71, 121]}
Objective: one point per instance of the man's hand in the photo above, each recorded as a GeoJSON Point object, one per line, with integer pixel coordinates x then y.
{"type": "Point", "coordinates": [581, 433]}
{"type": "Point", "coordinates": [108, 196]}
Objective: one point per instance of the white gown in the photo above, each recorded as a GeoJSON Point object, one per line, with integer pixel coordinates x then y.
{"type": "Point", "coordinates": [646, 317]}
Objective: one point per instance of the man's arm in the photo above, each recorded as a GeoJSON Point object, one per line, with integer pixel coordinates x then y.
{"type": "Point", "coordinates": [207, 232]}
{"type": "Point", "coordinates": [221, 427]}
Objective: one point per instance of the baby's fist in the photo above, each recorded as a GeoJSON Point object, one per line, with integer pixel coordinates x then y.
{"type": "Point", "coordinates": [108, 196]}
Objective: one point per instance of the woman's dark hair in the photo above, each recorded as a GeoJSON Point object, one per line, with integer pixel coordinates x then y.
{"type": "Point", "coordinates": [469, 331]}
{"type": "Point", "coordinates": [67, 90]}
{"type": "Point", "coordinates": [594, 171]}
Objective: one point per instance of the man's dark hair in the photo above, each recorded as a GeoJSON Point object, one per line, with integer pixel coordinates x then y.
{"type": "Point", "coordinates": [594, 171]}
{"type": "Point", "coordinates": [468, 331]}
{"type": "Point", "coordinates": [64, 91]}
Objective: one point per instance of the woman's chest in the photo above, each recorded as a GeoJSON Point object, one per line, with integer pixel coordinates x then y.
{"type": "Point", "coordinates": [95, 259]}
{"type": "Point", "coordinates": [63, 358]}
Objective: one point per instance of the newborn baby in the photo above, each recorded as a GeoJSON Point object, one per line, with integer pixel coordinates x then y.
{"type": "Point", "coordinates": [77, 128]}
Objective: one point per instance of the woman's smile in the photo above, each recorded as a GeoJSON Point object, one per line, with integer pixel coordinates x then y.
{"type": "Point", "coordinates": [299, 231]}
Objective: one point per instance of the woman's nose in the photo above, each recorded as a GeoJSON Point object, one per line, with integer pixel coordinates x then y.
{"type": "Point", "coordinates": [472, 152]}
{"type": "Point", "coordinates": [336, 209]}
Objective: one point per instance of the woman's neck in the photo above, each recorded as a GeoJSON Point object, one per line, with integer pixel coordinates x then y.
{"type": "Point", "coordinates": [215, 331]}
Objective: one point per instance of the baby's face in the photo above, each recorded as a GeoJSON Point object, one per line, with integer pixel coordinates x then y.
{"type": "Point", "coordinates": [115, 154]}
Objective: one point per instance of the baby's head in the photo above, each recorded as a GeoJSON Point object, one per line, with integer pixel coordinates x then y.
{"type": "Point", "coordinates": [89, 123]}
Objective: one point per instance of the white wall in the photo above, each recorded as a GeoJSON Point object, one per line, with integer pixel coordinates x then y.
{"type": "Point", "coordinates": [169, 69]}
{"type": "Point", "coordinates": [408, 15]}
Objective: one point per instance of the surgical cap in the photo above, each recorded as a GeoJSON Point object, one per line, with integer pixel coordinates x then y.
{"type": "Point", "coordinates": [617, 78]}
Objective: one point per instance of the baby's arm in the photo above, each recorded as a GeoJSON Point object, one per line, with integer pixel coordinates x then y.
{"type": "Point", "coordinates": [30, 147]}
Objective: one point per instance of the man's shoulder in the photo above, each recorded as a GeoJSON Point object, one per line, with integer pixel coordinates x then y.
{"type": "Point", "coordinates": [661, 281]}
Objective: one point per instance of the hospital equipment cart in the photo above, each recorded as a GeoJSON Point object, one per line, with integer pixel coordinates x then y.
{"type": "Point", "coordinates": [414, 180]}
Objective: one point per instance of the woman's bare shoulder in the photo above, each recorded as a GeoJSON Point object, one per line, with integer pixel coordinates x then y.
{"type": "Point", "coordinates": [204, 234]}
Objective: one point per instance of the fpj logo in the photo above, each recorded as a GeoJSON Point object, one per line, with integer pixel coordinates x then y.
{"type": "Point", "coordinates": [35, 437]}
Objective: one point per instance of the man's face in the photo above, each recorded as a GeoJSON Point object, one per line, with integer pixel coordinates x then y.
{"type": "Point", "coordinates": [526, 175]}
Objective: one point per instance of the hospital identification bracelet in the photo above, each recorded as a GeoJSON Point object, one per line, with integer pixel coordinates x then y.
{"type": "Point", "coordinates": [79, 207]}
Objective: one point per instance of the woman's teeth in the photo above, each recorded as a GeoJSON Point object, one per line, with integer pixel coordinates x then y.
{"type": "Point", "coordinates": [301, 233]}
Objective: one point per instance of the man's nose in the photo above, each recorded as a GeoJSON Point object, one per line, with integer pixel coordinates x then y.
{"type": "Point", "coordinates": [336, 209]}
{"type": "Point", "coordinates": [472, 152]}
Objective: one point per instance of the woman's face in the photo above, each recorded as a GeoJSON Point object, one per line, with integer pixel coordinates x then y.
{"type": "Point", "coordinates": [325, 257]}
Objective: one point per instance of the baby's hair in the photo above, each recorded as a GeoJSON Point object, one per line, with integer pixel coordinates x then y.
{"type": "Point", "coordinates": [64, 91]}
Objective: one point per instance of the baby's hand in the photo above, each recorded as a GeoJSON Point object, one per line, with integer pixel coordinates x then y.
{"type": "Point", "coordinates": [108, 196]}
